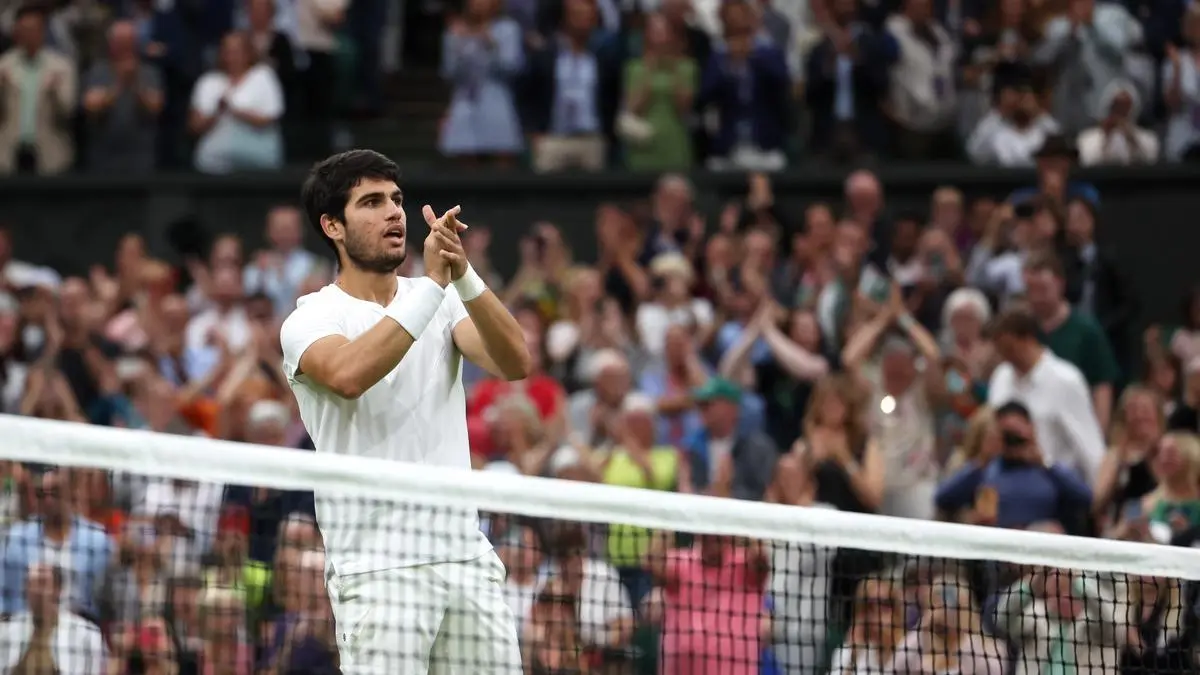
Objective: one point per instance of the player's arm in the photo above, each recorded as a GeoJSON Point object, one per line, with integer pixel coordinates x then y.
{"type": "Point", "coordinates": [488, 336]}
{"type": "Point", "coordinates": [313, 347]}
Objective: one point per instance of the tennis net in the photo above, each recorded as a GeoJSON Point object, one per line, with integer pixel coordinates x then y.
{"type": "Point", "coordinates": [131, 552]}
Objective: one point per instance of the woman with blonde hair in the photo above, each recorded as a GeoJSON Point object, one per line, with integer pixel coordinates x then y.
{"type": "Point", "coordinates": [1174, 506]}
{"type": "Point", "coordinates": [876, 630]}
{"type": "Point", "coordinates": [950, 636]}
{"type": "Point", "coordinates": [846, 462]}
{"type": "Point", "coordinates": [1125, 473]}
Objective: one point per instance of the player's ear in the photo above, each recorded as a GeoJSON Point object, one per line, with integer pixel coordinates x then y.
{"type": "Point", "coordinates": [333, 227]}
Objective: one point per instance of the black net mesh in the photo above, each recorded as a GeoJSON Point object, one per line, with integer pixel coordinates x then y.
{"type": "Point", "coordinates": [112, 572]}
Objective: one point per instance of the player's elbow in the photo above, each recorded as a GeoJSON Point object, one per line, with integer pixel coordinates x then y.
{"type": "Point", "coordinates": [519, 367]}
{"type": "Point", "coordinates": [346, 386]}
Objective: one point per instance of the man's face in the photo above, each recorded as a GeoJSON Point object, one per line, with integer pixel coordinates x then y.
{"type": "Point", "coordinates": [50, 496]}
{"type": "Point", "coordinates": [613, 383]}
{"type": "Point", "coordinates": [1015, 426]}
{"type": "Point", "coordinates": [375, 230]}
{"type": "Point", "coordinates": [30, 32]}
{"type": "Point", "coordinates": [1043, 290]}
{"type": "Point", "coordinates": [720, 416]}
{"type": "Point", "coordinates": [283, 228]}
{"type": "Point", "coordinates": [41, 589]}
{"type": "Point", "coordinates": [580, 16]}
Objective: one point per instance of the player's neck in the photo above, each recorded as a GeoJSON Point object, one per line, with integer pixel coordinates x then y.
{"type": "Point", "coordinates": [369, 286]}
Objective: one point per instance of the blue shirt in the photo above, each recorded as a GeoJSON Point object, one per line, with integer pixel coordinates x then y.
{"type": "Point", "coordinates": [576, 75]}
{"type": "Point", "coordinates": [84, 559]}
{"type": "Point", "coordinates": [1028, 494]}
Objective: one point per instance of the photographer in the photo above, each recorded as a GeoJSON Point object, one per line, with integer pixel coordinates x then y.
{"type": "Point", "coordinates": [1017, 487]}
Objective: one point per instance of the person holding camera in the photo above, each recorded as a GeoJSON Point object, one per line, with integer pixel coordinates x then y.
{"type": "Point", "coordinates": [1017, 486]}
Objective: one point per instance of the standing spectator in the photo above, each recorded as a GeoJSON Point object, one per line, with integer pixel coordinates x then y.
{"type": "Point", "coordinates": [1086, 48]}
{"type": "Point", "coordinates": [1105, 292]}
{"type": "Point", "coordinates": [1072, 335]}
{"type": "Point", "coordinates": [1118, 139]}
{"type": "Point", "coordinates": [923, 97]}
{"type": "Point", "coordinates": [1181, 90]}
{"type": "Point", "coordinates": [592, 412]}
{"type": "Point", "coordinates": [748, 83]}
{"type": "Point", "coordinates": [236, 110]}
{"type": "Point", "coordinates": [726, 460]}
{"type": "Point", "coordinates": [659, 91]}
{"type": "Point", "coordinates": [1016, 127]}
{"type": "Point", "coordinates": [847, 463]}
{"type": "Point", "coordinates": [46, 638]}
{"type": "Point", "coordinates": [317, 25]}
{"type": "Point", "coordinates": [56, 536]}
{"type": "Point", "coordinates": [1052, 389]}
{"type": "Point", "coordinates": [846, 80]}
{"type": "Point", "coordinates": [122, 99]}
{"type": "Point", "coordinates": [481, 56]}
{"type": "Point", "coordinates": [273, 46]}
{"type": "Point", "coordinates": [225, 324]}
{"type": "Point", "coordinates": [279, 270]}
{"type": "Point", "coordinates": [673, 305]}
{"type": "Point", "coordinates": [37, 100]}
{"type": "Point", "coordinates": [568, 97]}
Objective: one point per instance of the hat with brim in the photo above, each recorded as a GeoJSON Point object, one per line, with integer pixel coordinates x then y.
{"type": "Point", "coordinates": [717, 389]}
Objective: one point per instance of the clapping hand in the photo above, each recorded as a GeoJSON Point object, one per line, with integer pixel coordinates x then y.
{"type": "Point", "coordinates": [445, 260]}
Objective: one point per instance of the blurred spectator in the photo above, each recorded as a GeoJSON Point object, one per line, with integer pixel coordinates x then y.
{"type": "Point", "coordinates": [318, 23]}
{"type": "Point", "coordinates": [1180, 90]}
{"type": "Point", "coordinates": [846, 81]}
{"type": "Point", "coordinates": [592, 412]}
{"type": "Point", "coordinates": [122, 97]}
{"type": "Point", "coordinates": [877, 629]}
{"type": "Point", "coordinates": [727, 459]}
{"type": "Point", "coordinates": [17, 274]}
{"type": "Point", "coordinates": [522, 554]}
{"type": "Point", "coordinates": [56, 536]}
{"type": "Point", "coordinates": [747, 82]}
{"type": "Point", "coordinates": [1016, 127]}
{"type": "Point", "coordinates": [1060, 618]}
{"type": "Point", "coordinates": [224, 325]}
{"type": "Point", "coordinates": [923, 96]}
{"type": "Point", "coordinates": [673, 304]}
{"type": "Point", "coordinates": [604, 614]}
{"type": "Point", "coordinates": [569, 102]}
{"type": "Point", "coordinates": [223, 621]}
{"type": "Point", "coordinates": [846, 462]}
{"type": "Point", "coordinates": [481, 57]}
{"type": "Point", "coordinates": [1173, 507]}
{"type": "Point", "coordinates": [273, 46]}
{"type": "Point", "coordinates": [1068, 431]}
{"type": "Point", "coordinates": [1126, 476]}
{"type": "Point", "coordinates": [138, 585]}
{"type": "Point", "coordinates": [1086, 48]}
{"type": "Point", "coordinates": [550, 642]}
{"type": "Point", "coordinates": [236, 110]}
{"type": "Point", "coordinates": [279, 270]}
{"type": "Point", "coordinates": [1018, 487]}
{"type": "Point", "coordinates": [304, 635]}
{"type": "Point", "coordinates": [659, 95]}
{"type": "Point", "coordinates": [1118, 139]}
{"type": "Point", "coordinates": [993, 48]}
{"type": "Point", "coordinates": [950, 635]}
{"type": "Point", "coordinates": [37, 93]}
{"type": "Point", "coordinates": [47, 638]}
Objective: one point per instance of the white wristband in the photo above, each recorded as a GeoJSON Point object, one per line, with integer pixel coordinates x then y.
{"type": "Point", "coordinates": [470, 286]}
{"type": "Point", "coordinates": [416, 309]}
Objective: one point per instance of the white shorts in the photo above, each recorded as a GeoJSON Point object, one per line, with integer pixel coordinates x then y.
{"type": "Point", "coordinates": [439, 619]}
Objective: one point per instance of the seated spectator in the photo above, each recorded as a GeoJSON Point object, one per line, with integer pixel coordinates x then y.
{"type": "Point", "coordinates": [235, 112]}
{"type": "Point", "coordinates": [659, 91]}
{"type": "Point", "coordinates": [1016, 127]}
{"type": "Point", "coordinates": [748, 84]}
{"type": "Point", "coordinates": [522, 555]}
{"type": "Point", "coordinates": [37, 100]}
{"type": "Point", "coordinates": [727, 459]}
{"type": "Point", "coordinates": [303, 640]}
{"type": "Point", "coordinates": [279, 270]}
{"type": "Point", "coordinates": [1086, 48]}
{"type": "Point", "coordinates": [1181, 93]}
{"type": "Point", "coordinates": [550, 640]}
{"type": "Point", "coordinates": [568, 96]}
{"type": "Point", "coordinates": [1173, 507]}
{"type": "Point", "coordinates": [224, 325]}
{"type": "Point", "coordinates": [591, 412]}
{"type": "Point", "coordinates": [1060, 618]}
{"type": "Point", "coordinates": [46, 637]}
{"type": "Point", "coordinates": [78, 547]}
{"type": "Point", "coordinates": [673, 304]}
{"type": "Point", "coordinates": [1004, 39]}
{"type": "Point", "coordinates": [670, 381]}
{"type": "Point", "coordinates": [1118, 139]}
{"type": "Point", "coordinates": [799, 586]}
{"type": "Point", "coordinates": [122, 98]}
{"type": "Point", "coordinates": [714, 599]}
{"type": "Point", "coordinates": [183, 617]}
{"type": "Point", "coordinates": [846, 462]}
{"type": "Point", "coordinates": [846, 80]}
{"type": "Point", "coordinates": [877, 629]}
{"type": "Point", "coordinates": [481, 56]}
{"type": "Point", "coordinates": [138, 585]}
{"type": "Point", "coordinates": [149, 643]}
{"type": "Point", "coordinates": [923, 97]}
{"type": "Point", "coordinates": [223, 625]}
{"type": "Point", "coordinates": [950, 636]}
{"type": "Point", "coordinates": [1018, 487]}
{"type": "Point", "coordinates": [1126, 476]}
{"type": "Point", "coordinates": [603, 611]}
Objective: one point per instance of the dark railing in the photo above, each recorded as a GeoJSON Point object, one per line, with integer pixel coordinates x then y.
{"type": "Point", "coordinates": [1148, 215]}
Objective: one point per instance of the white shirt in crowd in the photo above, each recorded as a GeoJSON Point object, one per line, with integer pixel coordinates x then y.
{"type": "Point", "coordinates": [995, 140]}
{"type": "Point", "coordinates": [799, 586]}
{"type": "Point", "coordinates": [1058, 398]}
{"type": "Point", "coordinates": [653, 320]}
{"type": "Point", "coordinates": [1183, 127]}
{"type": "Point", "coordinates": [602, 601]}
{"type": "Point", "coordinates": [416, 413]}
{"type": "Point", "coordinates": [77, 645]}
{"type": "Point", "coordinates": [233, 326]}
{"type": "Point", "coordinates": [197, 505]}
{"type": "Point", "coordinates": [1100, 148]}
{"type": "Point", "coordinates": [922, 81]}
{"type": "Point", "coordinates": [258, 92]}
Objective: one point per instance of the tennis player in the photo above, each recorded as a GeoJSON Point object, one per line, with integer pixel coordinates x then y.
{"type": "Point", "coordinates": [375, 363]}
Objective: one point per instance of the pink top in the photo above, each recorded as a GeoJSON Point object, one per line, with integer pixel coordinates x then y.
{"type": "Point", "coordinates": [245, 662]}
{"type": "Point", "coordinates": [713, 615]}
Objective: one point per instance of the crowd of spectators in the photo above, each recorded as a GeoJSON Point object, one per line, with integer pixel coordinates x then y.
{"type": "Point", "coordinates": [219, 85]}
{"type": "Point", "coordinates": [760, 84]}
{"type": "Point", "coordinates": [977, 362]}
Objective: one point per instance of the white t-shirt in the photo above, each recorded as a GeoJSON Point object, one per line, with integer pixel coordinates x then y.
{"type": "Point", "coordinates": [653, 321]}
{"type": "Point", "coordinates": [416, 413]}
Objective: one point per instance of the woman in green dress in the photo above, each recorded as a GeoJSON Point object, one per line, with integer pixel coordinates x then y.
{"type": "Point", "coordinates": [659, 87]}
